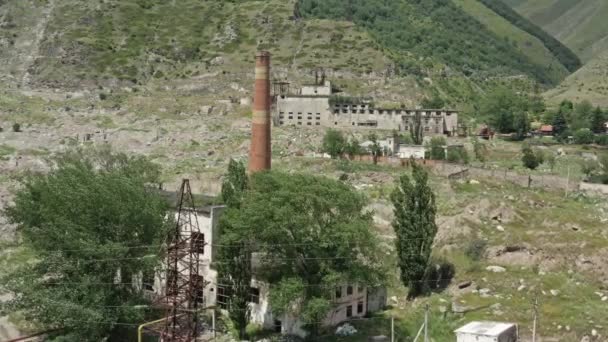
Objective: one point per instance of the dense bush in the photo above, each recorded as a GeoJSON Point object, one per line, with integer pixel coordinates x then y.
{"type": "Point", "coordinates": [437, 148]}
{"type": "Point", "coordinates": [601, 140]}
{"type": "Point", "coordinates": [439, 274]}
{"type": "Point", "coordinates": [584, 136]}
{"type": "Point", "coordinates": [458, 155]}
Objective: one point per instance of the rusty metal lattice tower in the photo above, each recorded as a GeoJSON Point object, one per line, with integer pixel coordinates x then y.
{"type": "Point", "coordinates": [184, 284]}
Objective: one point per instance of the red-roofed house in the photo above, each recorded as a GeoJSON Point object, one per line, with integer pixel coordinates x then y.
{"type": "Point", "coordinates": [546, 130]}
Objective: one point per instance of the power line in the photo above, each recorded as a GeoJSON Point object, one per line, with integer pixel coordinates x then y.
{"type": "Point", "coordinates": [98, 248]}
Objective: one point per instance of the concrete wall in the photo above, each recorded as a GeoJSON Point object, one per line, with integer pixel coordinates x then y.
{"type": "Point", "coordinates": [315, 111]}
{"type": "Point", "coordinates": [376, 299]}
{"type": "Point", "coordinates": [356, 302]}
{"type": "Point", "coordinates": [309, 111]}
{"type": "Point", "coordinates": [314, 90]}
{"type": "Point", "coordinates": [409, 151]}
{"type": "Point", "coordinates": [598, 188]}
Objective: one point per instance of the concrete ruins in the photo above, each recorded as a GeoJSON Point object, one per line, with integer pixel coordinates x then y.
{"type": "Point", "coordinates": [316, 106]}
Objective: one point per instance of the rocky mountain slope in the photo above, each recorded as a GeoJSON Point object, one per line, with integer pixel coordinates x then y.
{"type": "Point", "coordinates": [86, 44]}
{"type": "Point", "coordinates": [581, 25]}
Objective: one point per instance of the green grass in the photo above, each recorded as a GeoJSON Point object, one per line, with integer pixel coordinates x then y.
{"type": "Point", "coordinates": [526, 43]}
{"type": "Point", "coordinates": [578, 24]}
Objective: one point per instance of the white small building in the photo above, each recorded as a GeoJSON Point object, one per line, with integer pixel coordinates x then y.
{"type": "Point", "coordinates": [487, 332]}
{"type": "Point", "coordinates": [411, 151]}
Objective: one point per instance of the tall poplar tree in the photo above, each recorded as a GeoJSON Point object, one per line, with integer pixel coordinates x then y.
{"type": "Point", "coordinates": [235, 267]}
{"type": "Point", "coordinates": [415, 227]}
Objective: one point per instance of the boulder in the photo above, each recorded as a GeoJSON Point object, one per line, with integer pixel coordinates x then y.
{"type": "Point", "coordinates": [496, 269]}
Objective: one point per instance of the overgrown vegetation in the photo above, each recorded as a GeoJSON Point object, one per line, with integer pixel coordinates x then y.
{"type": "Point", "coordinates": [310, 234]}
{"type": "Point", "coordinates": [80, 222]}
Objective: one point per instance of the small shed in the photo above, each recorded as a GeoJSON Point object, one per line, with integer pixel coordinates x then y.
{"type": "Point", "coordinates": [487, 332]}
{"type": "Point", "coordinates": [546, 130]}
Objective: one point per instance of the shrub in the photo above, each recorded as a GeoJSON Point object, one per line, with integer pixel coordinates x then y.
{"type": "Point", "coordinates": [530, 159]}
{"type": "Point", "coordinates": [16, 127]}
{"type": "Point", "coordinates": [599, 139]}
{"type": "Point", "coordinates": [439, 274]}
{"type": "Point", "coordinates": [253, 330]}
{"type": "Point", "coordinates": [458, 155]}
{"type": "Point", "coordinates": [437, 148]}
{"type": "Point", "coordinates": [584, 136]}
{"type": "Point", "coordinates": [476, 249]}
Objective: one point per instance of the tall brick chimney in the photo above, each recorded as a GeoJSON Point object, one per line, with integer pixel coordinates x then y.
{"type": "Point", "coordinates": [260, 152]}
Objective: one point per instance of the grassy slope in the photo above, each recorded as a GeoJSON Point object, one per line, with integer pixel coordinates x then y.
{"type": "Point", "coordinates": [526, 43]}
{"type": "Point", "coordinates": [581, 25]}
{"type": "Point", "coordinates": [588, 83]}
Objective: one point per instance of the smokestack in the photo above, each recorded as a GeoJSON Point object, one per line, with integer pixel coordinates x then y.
{"type": "Point", "coordinates": [260, 153]}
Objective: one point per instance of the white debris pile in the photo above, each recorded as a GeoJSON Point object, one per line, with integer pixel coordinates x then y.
{"type": "Point", "coordinates": [346, 330]}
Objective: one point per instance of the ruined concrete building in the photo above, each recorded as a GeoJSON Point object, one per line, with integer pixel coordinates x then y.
{"type": "Point", "coordinates": [350, 301]}
{"type": "Point", "coordinates": [316, 106]}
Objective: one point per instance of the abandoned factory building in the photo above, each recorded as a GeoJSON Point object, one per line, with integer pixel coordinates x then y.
{"type": "Point", "coordinates": [315, 106]}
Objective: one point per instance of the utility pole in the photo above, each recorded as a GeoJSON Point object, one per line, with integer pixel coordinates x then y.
{"type": "Point", "coordinates": [568, 182]}
{"type": "Point", "coordinates": [426, 323]}
{"type": "Point", "coordinates": [392, 328]}
{"type": "Point", "coordinates": [535, 319]}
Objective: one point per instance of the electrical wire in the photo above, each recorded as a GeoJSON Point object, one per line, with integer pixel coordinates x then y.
{"type": "Point", "coordinates": [214, 245]}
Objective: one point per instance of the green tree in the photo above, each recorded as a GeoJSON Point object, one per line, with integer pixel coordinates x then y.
{"type": "Point", "coordinates": [416, 129]}
{"type": "Point", "coordinates": [86, 223]}
{"type": "Point", "coordinates": [530, 159]}
{"type": "Point", "coordinates": [415, 227]}
{"type": "Point", "coordinates": [375, 148]}
{"type": "Point", "coordinates": [500, 107]}
{"type": "Point", "coordinates": [480, 149]}
{"type": "Point", "coordinates": [560, 126]}
{"type": "Point", "coordinates": [353, 148]}
{"type": "Point", "coordinates": [235, 268]}
{"type": "Point", "coordinates": [584, 136]}
{"type": "Point", "coordinates": [598, 121]}
{"type": "Point", "coordinates": [309, 233]}
{"type": "Point", "coordinates": [521, 125]}
{"type": "Point", "coordinates": [334, 143]}
{"type": "Point", "coordinates": [580, 117]}
{"type": "Point", "coordinates": [437, 148]}
{"type": "Point", "coordinates": [235, 184]}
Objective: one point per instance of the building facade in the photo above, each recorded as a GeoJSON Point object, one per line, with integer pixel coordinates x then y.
{"type": "Point", "coordinates": [350, 301]}
{"type": "Point", "coordinates": [314, 107]}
